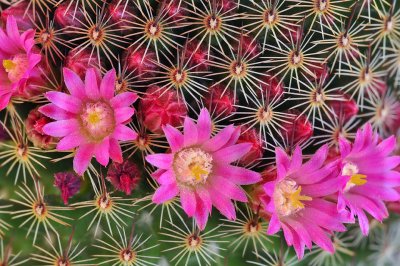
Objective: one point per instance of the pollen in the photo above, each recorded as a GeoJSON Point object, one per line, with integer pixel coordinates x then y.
{"type": "Point", "coordinates": [16, 67]}
{"type": "Point", "coordinates": [97, 120]}
{"type": "Point", "coordinates": [356, 179]}
{"type": "Point", "coordinates": [288, 198]}
{"type": "Point", "coordinates": [192, 166]}
{"type": "Point", "coordinates": [8, 65]}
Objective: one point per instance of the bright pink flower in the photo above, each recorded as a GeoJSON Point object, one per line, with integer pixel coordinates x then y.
{"type": "Point", "coordinates": [18, 61]}
{"type": "Point", "coordinates": [296, 200]}
{"type": "Point", "coordinates": [199, 169]}
{"type": "Point", "coordinates": [368, 169]}
{"type": "Point", "coordinates": [90, 118]}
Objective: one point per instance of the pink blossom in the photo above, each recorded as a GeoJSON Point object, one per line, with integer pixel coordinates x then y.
{"type": "Point", "coordinates": [91, 118]}
{"type": "Point", "coordinates": [18, 61]}
{"type": "Point", "coordinates": [199, 169]}
{"type": "Point", "coordinates": [371, 179]}
{"type": "Point", "coordinates": [295, 200]}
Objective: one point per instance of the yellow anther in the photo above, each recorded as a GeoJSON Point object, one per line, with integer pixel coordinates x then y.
{"type": "Point", "coordinates": [295, 198]}
{"type": "Point", "coordinates": [8, 65]}
{"type": "Point", "coordinates": [358, 179]}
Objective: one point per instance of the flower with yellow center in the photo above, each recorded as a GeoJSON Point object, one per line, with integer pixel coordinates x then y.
{"type": "Point", "coordinates": [356, 179]}
{"type": "Point", "coordinates": [288, 198]}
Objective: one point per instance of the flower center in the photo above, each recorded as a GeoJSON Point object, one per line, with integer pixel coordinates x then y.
{"type": "Point", "coordinates": [288, 199]}
{"type": "Point", "coordinates": [321, 6]}
{"type": "Point", "coordinates": [192, 166]}
{"type": "Point", "coordinates": [356, 179]}
{"type": "Point", "coordinates": [238, 69]}
{"type": "Point", "coordinates": [39, 210]}
{"type": "Point", "coordinates": [127, 255]}
{"type": "Point", "coordinates": [153, 30]}
{"type": "Point", "coordinates": [194, 242]}
{"type": "Point", "coordinates": [212, 23]}
{"type": "Point", "coordinates": [178, 77]}
{"type": "Point", "coordinates": [62, 262]}
{"type": "Point", "coordinates": [295, 59]}
{"type": "Point", "coordinates": [270, 17]}
{"type": "Point", "coordinates": [104, 203]}
{"type": "Point", "coordinates": [97, 120]}
{"type": "Point", "coordinates": [16, 67]}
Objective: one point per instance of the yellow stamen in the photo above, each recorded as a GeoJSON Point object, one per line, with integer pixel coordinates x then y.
{"type": "Point", "coordinates": [296, 198]}
{"type": "Point", "coordinates": [197, 172]}
{"type": "Point", "coordinates": [93, 118]}
{"type": "Point", "coordinates": [358, 179]}
{"type": "Point", "coordinates": [8, 65]}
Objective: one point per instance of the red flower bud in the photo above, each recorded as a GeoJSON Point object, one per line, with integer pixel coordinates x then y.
{"type": "Point", "coordinates": [272, 89]}
{"type": "Point", "coordinates": [21, 15]}
{"type": "Point", "coordinates": [297, 128]}
{"type": "Point", "coordinates": [121, 13]}
{"type": "Point", "coordinates": [220, 103]}
{"type": "Point", "coordinates": [34, 128]}
{"type": "Point", "coordinates": [66, 14]}
{"type": "Point", "coordinates": [159, 107]}
{"type": "Point", "coordinates": [256, 151]}
{"type": "Point", "coordinates": [345, 109]}
{"type": "Point", "coordinates": [68, 183]}
{"type": "Point", "coordinates": [80, 62]}
{"type": "Point", "coordinates": [143, 64]}
{"type": "Point", "coordinates": [124, 177]}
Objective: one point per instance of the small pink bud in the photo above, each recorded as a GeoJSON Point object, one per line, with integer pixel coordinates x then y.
{"type": "Point", "coordinates": [80, 62]}
{"type": "Point", "coordinates": [345, 109]}
{"type": "Point", "coordinates": [21, 15]}
{"type": "Point", "coordinates": [272, 88]}
{"type": "Point", "coordinates": [34, 128]}
{"type": "Point", "coordinates": [297, 128]}
{"type": "Point", "coordinates": [143, 64]}
{"type": "Point", "coordinates": [159, 107]}
{"type": "Point", "coordinates": [120, 13]}
{"type": "Point", "coordinates": [124, 177]}
{"type": "Point", "coordinates": [67, 15]}
{"type": "Point", "coordinates": [68, 183]}
{"type": "Point", "coordinates": [256, 151]}
{"type": "Point", "coordinates": [219, 102]}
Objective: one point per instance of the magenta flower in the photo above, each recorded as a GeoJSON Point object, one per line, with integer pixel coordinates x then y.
{"type": "Point", "coordinates": [296, 201]}
{"type": "Point", "coordinates": [18, 61]}
{"type": "Point", "coordinates": [368, 169]}
{"type": "Point", "coordinates": [90, 118]}
{"type": "Point", "coordinates": [199, 169]}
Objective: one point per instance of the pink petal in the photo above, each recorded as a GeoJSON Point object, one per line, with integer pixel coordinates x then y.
{"type": "Point", "coordinates": [160, 160]}
{"type": "Point", "coordinates": [124, 133]}
{"type": "Point", "coordinates": [54, 112]}
{"type": "Point", "coordinates": [123, 114]}
{"type": "Point", "coordinates": [204, 125]}
{"type": "Point", "coordinates": [174, 137]}
{"type": "Point", "coordinates": [74, 83]}
{"type": "Point", "coordinates": [4, 100]}
{"type": "Point", "coordinates": [203, 208]}
{"type": "Point", "coordinates": [12, 29]}
{"type": "Point", "coordinates": [166, 177]}
{"type": "Point", "coordinates": [274, 225]}
{"type": "Point", "coordinates": [82, 158]}
{"type": "Point", "coordinates": [223, 204]}
{"type": "Point", "coordinates": [297, 159]}
{"type": "Point", "coordinates": [227, 188]}
{"type": "Point", "coordinates": [102, 152]}
{"type": "Point", "coordinates": [61, 128]}
{"type": "Point", "coordinates": [67, 102]}
{"type": "Point", "coordinates": [189, 132]}
{"type": "Point", "coordinates": [70, 141]}
{"type": "Point", "coordinates": [238, 175]}
{"type": "Point", "coordinates": [91, 86]}
{"type": "Point", "coordinates": [123, 100]}
{"type": "Point", "coordinates": [282, 162]}
{"type": "Point", "coordinates": [232, 153]}
{"type": "Point", "coordinates": [219, 140]}
{"type": "Point", "coordinates": [115, 151]}
{"type": "Point", "coordinates": [107, 86]}
{"type": "Point", "coordinates": [165, 193]}
{"type": "Point", "coordinates": [188, 201]}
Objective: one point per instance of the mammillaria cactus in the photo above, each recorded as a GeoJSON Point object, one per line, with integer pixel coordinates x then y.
{"type": "Point", "coordinates": [199, 132]}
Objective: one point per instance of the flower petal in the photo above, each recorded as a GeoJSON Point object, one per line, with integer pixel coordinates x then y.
{"type": "Point", "coordinates": [189, 132]}
{"type": "Point", "coordinates": [188, 201]}
{"type": "Point", "coordinates": [124, 133]}
{"type": "Point", "coordinates": [107, 86]}
{"type": "Point", "coordinates": [165, 193]}
{"type": "Point", "coordinates": [115, 151]}
{"type": "Point", "coordinates": [160, 160]}
{"type": "Point", "coordinates": [74, 83]}
{"type": "Point", "coordinates": [174, 137]}
{"type": "Point", "coordinates": [123, 99]}
{"type": "Point", "coordinates": [238, 175]}
{"type": "Point", "coordinates": [82, 158]}
{"type": "Point", "coordinates": [204, 125]}
{"type": "Point", "coordinates": [67, 102]}
{"type": "Point", "coordinates": [102, 152]}
{"type": "Point", "coordinates": [232, 153]}
{"type": "Point", "coordinates": [91, 86]}
{"type": "Point", "coordinates": [61, 128]}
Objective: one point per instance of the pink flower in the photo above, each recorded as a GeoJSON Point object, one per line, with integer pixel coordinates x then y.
{"type": "Point", "coordinates": [296, 200]}
{"type": "Point", "coordinates": [68, 183]}
{"type": "Point", "coordinates": [90, 118]}
{"type": "Point", "coordinates": [18, 61]}
{"type": "Point", "coordinates": [368, 169]}
{"type": "Point", "coordinates": [199, 169]}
